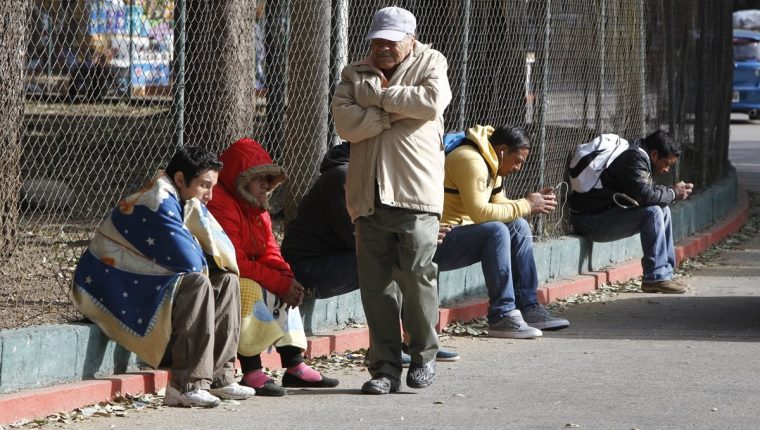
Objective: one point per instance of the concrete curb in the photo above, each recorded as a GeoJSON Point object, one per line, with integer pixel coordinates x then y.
{"type": "Point", "coordinates": [45, 401]}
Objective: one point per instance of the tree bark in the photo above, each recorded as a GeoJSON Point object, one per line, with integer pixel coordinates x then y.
{"type": "Point", "coordinates": [307, 109]}
{"type": "Point", "coordinates": [219, 92]}
{"type": "Point", "coordinates": [12, 48]}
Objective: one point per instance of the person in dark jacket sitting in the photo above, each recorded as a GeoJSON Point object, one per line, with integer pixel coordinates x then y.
{"type": "Point", "coordinates": [629, 202]}
{"type": "Point", "coordinates": [319, 244]}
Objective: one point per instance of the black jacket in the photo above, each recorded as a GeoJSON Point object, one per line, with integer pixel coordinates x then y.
{"type": "Point", "coordinates": [322, 225]}
{"type": "Point", "coordinates": [629, 174]}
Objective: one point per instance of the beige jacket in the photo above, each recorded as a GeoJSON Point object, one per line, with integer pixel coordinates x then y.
{"type": "Point", "coordinates": [479, 197]}
{"type": "Point", "coordinates": [405, 158]}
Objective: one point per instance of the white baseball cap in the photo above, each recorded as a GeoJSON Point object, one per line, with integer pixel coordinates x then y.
{"type": "Point", "coordinates": [392, 23]}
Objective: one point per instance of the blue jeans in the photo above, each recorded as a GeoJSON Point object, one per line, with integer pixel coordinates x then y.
{"type": "Point", "coordinates": [329, 275]}
{"type": "Point", "coordinates": [505, 252]}
{"type": "Point", "coordinates": [654, 225]}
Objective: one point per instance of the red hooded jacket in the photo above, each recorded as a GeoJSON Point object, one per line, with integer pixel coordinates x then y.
{"type": "Point", "coordinates": [248, 225]}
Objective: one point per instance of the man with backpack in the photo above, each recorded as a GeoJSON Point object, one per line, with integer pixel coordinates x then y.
{"type": "Point", "coordinates": [487, 227]}
{"type": "Point", "coordinates": [614, 197]}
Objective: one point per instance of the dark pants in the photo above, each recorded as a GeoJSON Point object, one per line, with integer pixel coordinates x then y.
{"type": "Point", "coordinates": [289, 356]}
{"type": "Point", "coordinates": [205, 331]}
{"type": "Point", "coordinates": [328, 276]}
{"type": "Point", "coordinates": [395, 255]}
{"type": "Point", "coordinates": [654, 226]}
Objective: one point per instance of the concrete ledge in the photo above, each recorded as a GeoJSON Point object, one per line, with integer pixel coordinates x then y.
{"type": "Point", "coordinates": [80, 351]}
{"type": "Point", "coordinates": [46, 355]}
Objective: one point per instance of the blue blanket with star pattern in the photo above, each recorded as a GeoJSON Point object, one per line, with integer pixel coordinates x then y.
{"type": "Point", "coordinates": [127, 277]}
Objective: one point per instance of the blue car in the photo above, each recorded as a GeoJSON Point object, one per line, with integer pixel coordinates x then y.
{"type": "Point", "coordinates": [746, 97]}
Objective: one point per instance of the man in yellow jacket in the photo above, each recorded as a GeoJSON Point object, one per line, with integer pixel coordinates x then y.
{"type": "Point", "coordinates": [490, 229]}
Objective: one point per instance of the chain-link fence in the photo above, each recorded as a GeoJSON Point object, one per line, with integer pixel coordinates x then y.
{"type": "Point", "coordinates": [111, 87]}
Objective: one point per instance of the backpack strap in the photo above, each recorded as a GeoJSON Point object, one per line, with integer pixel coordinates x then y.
{"type": "Point", "coordinates": [468, 142]}
{"type": "Point", "coordinates": [584, 162]}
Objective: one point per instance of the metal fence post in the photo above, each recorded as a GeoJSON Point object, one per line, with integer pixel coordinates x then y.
{"type": "Point", "coordinates": [49, 48]}
{"type": "Point", "coordinates": [461, 108]}
{"type": "Point", "coordinates": [602, 54]}
{"type": "Point", "coordinates": [544, 92]}
{"type": "Point", "coordinates": [670, 58]}
{"type": "Point", "coordinates": [642, 67]}
{"type": "Point", "coordinates": [129, 49]}
{"type": "Point", "coordinates": [178, 89]}
{"type": "Point", "coordinates": [339, 56]}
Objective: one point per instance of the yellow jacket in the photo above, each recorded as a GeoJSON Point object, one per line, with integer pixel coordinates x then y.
{"type": "Point", "coordinates": [480, 197]}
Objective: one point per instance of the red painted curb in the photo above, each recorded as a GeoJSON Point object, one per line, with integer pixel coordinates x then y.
{"type": "Point", "coordinates": [45, 401]}
{"type": "Point", "coordinates": [559, 290]}
{"type": "Point", "coordinates": [271, 359]}
{"type": "Point", "coordinates": [462, 312]}
{"type": "Point", "coordinates": [319, 346]}
{"type": "Point", "coordinates": [625, 271]}
{"type": "Point", "coordinates": [688, 248]}
{"type": "Point", "coordinates": [731, 224]}
{"type": "Point", "coordinates": [339, 342]}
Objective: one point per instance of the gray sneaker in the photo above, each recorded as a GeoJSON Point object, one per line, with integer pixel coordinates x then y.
{"type": "Point", "coordinates": [512, 326]}
{"type": "Point", "coordinates": [540, 318]}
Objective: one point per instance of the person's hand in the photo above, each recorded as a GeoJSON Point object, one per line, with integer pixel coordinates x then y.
{"type": "Point", "coordinates": [443, 230]}
{"type": "Point", "coordinates": [683, 190]}
{"type": "Point", "coordinates": [294, 296]}
{"type": "Point", "coordinates": [542, 202]}
{"type": "Point", "coordinates": [370, 61]}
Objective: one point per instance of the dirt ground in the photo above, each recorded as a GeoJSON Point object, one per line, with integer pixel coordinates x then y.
{"type": "Point", "coordinates": [35, 280]}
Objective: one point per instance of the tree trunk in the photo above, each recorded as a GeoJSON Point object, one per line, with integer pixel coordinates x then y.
{"type": "Point", "coordinates": [219, 92]}
{"type": "Point", "coordinates": [12, 45]}
{"type": "Point", "coordinates": [307, 103]}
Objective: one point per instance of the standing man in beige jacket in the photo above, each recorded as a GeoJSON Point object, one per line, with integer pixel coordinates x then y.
{"type": "Point", "coordinates": [390, 106]}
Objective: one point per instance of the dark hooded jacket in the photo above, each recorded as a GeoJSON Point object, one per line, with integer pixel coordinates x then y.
{"type": "Point", "coordinates": [629, 174]}
{"type": "Point", "coordinates": [248, 225]}
{"type": "Point", "coordinates": [323, 225]}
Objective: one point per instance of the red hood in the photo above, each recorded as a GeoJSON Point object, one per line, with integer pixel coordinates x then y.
{"type": "Point", "coordinates": [244, 159]}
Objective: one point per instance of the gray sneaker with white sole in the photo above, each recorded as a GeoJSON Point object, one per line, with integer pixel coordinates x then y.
{"type": "Point", "coordinates": [513, 326]}
{"type": "Point", "coordinates": [540, 318]}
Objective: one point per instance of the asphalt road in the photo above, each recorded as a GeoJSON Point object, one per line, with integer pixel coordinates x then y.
{"type": "Point", "coordinates": [743, 152]}
{"type": "Point", "coordinates": [638, 361]}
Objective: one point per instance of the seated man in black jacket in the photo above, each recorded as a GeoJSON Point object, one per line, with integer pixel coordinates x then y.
{"type": "Point", "coordinates": [319, 244]}
{"type": "Point", "coordinates": [628, 202]}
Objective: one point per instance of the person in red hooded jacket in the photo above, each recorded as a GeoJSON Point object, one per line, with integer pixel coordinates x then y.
{"type": "Point", "coordinates": [269, 293]}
